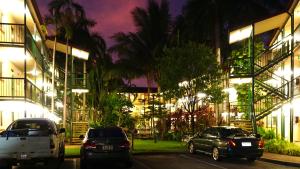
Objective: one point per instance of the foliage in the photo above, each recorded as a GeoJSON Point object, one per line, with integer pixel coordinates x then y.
{"type": "Point", "coordinates": [190, 73]}
{"type": "Point", "coordinates": [282, 147]}
{"type": "Point", "coordinates": [114, 112]}
{"type": "Point", "coordinates": [266, 134]}
{"type": "Point", "coordinates": [139, 51]}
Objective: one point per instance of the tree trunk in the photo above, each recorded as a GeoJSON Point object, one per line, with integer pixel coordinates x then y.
{"type": "Point", "coordinates": [53, 74]}
{"type": "Point", "coordinates": [65, 86]}
{"type": "Point", "coordinates": [192, 123]}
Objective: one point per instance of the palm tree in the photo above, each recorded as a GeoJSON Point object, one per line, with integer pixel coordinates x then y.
{"type": "Point", "coordinates": [208, 21]}
{"type": "Point", "coordinates": [65, 14]}
{"type": "Point", "coordinates": [140, 51]}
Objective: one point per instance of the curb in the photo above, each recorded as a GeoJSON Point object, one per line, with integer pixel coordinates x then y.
{"type": "Point", "coordinates": [158, 153]}
{"type": "Point", "coordinates": [138, 153]}
{"type": "Point", "coordinates": [279, 162]}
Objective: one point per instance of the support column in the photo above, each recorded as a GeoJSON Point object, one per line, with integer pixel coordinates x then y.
{"type": "Point", "coordinates": [292, 81]}
{"type": "Point", "coordinates": [84, 94]}
{"type": "Point", "coordinates": [253, 80]}
{"type": "Point", "coordinates": [25, 64]}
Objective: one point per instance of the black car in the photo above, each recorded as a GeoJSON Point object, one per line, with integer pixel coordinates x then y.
{"type": "Point", "coordinates": [108, 144]}
{"type": "Point", "coordinates": [227, 142]}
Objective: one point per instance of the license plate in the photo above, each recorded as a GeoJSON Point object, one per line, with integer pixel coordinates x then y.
{"type": "Point", "coordinates": [24, 156]}
{"type": "Point", "coordinates": [246, 144]}
{"type": "Point", "coordinates": [107, 147]}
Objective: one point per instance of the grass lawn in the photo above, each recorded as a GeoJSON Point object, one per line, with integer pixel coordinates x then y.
{"type": "Point", "coordinates": [140, 146]}
{"type": "Point", "coordinates": [72, 150]}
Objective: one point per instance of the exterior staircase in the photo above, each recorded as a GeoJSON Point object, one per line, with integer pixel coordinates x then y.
{"type": "Point", "coordinates": [267, 98]}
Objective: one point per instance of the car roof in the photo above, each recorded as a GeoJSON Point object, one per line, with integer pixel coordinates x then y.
{"type": "Point", "coordinates": [34, 119]}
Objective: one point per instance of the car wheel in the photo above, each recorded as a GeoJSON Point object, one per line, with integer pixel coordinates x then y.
{"type": "Point", "coordinates": [216, 154]}
{"type": "Point", "coordinates": [251, 159]}
{"type": "Point", "coordinates": [83, 164]}
{"type": "Point", "coordinates": [52, 164]}
{"type": "Point", "coordinates": [192, 148]}
{"type": "Point", "coordinates": [62, 155]}
{"type": "Point", "coordinates": [128, 164]}
{"type": "Point", "coordinates": [5, 166]}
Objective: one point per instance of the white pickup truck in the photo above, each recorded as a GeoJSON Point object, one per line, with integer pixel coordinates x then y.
{"type": "Point", "coordinates": [30, 141]}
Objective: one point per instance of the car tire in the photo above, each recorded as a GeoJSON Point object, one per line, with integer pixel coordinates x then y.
{"type": "Point", "coordinates": [128, 164]}
{"type": "Point", "coordinates": [216, 154]}
{"type": "Point", "coordinates": [53, 163]}
{"type": "Point", "coordinates": [5, 166]}
{"type": "Point", "coordinates": [251, 159]}
{"type": "Point", "coordinates": [192, 148]}
{"type": "Point", "coordinates": [62, 155]}
{"type": "Point", "coordinates": [83, 164]}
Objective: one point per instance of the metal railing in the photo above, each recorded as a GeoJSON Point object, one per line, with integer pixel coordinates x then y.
{"type": "Point", "coordinates": [11, 34]}
{"type": "Point", "coordinates": [11, 88]}
{"type": "Point", "coordinates": [79, 80]}
{"type": "Point", "coordinates": [274, 54]}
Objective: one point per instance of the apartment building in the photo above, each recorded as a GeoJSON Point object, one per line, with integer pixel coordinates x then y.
{"type": "Point", "coordinates": [26, 65]}
{"type": "Point", "coordinates": [270, 78]}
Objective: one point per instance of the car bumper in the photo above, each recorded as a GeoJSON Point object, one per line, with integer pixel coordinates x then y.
{"type": "Point", "coordinates": [107, 156]}
{"type": "Point", "coordinates": [254, 153]}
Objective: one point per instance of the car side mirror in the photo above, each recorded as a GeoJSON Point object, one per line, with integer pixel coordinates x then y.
{"type": "Point", "coordinates": [81, 137]}
{"type": "Point", "coordinates": [62, 130]}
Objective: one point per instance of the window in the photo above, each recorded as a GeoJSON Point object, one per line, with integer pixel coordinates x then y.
{"type": "Point", "coordinates": [0, 68]}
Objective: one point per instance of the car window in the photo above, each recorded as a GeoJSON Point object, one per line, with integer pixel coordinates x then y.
{"type": "Point", "coordinates": [211, 132]}
{"type": "Point", "coordinates": [106, 133]}
{"type": "Point", "coordinates": [30, 124]}
{"type": "Point", "coordinates": [233, 132]}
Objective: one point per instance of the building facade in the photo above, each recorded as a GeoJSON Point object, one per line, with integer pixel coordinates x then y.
{"type": "Point", "coordinates": [26, 65]}
{"type": "Point", "coordinates": [264, 82]}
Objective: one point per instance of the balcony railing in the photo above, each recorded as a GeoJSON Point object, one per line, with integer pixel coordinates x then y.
{"type": "Point", "coordinates": [12, 34]}
{"type": "Point", "coordinates": [79, 80]}
{"type": "Point", "coordinates": [273, 55]}
{"type": "Point", "coordinates": [13, 88]}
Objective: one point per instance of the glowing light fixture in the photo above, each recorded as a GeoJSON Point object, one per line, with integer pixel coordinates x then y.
{"type": "Point", "coordinates": [240, 34]}
{"type": "Point", "coordinates": [240, 80]}
{"type": "Point", "coordinates": [80, 91]}
{"type": "Point", "coordinates": [80, 54]}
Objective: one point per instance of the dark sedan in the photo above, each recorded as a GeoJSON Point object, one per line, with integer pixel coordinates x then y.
{"type": "Point", "coordinates": [105, 145]}
{"type": "Point", "coordinates": [227, 142]}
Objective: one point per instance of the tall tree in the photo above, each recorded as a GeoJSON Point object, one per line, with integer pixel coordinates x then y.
{"type": "Point", "coordinates": [190, 74]}
{"type": "Point", "coordinates": [65, 14]}
{"type": "Point", "coordinates": [140, 50]}
{"type": "Point", "coordinates": [208, 21]}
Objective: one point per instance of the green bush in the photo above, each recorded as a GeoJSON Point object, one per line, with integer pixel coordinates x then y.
{"type": "Point", "coordinates": [266, 134]}
{"type": "Point", "coordinates": [282, 147]}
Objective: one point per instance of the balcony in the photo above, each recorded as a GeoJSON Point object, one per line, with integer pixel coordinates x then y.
{"type": "Point", "coordinates": [13, 35]}
{"type": "Point", "coordinates": [79, 80]}
{"type": "Point", "coordinates": [13, 88]}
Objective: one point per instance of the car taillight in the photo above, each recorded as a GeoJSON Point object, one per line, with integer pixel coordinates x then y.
{"type": "Point", "coordinates": [231, 143]}
{"type": "Point", "coordinates": [89, 145]}
{"type": "Point", "coordinates": [261, 143]}
{"type": "Point", "coordinates": [52, 145]}
{"type": "Point", "coordinates": [125, 145]}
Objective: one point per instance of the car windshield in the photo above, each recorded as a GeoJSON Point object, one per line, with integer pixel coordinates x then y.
{"type": "Point", "coordinates": [106, 133]}
{"type": "Point", "coordinates": [30, 124]}
{"type": "Point", "coordinates": [233, 132]}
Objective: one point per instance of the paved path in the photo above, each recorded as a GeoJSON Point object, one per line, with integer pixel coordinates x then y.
{"type": "Point", "coordinates": [176, 161]}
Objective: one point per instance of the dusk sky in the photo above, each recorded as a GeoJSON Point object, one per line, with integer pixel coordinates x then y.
{"type": "Point", "coordinates": [114, 16]}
